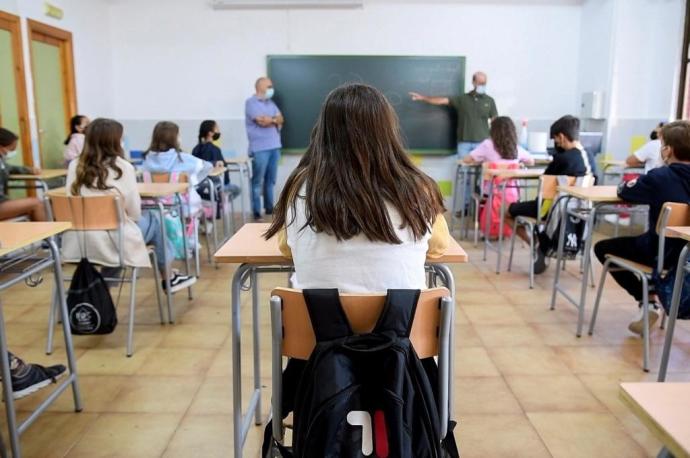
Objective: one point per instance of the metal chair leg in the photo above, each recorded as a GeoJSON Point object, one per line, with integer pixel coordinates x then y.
{"type": "Point", "coordinates": [277, 368]}
{"type": "Point", "coordinates": [530, 228]}
{"type": "Point", "coordinates": [645, 321]}
{"type": "Point", "coordinates": [512, 245]}
{"type": "Point", "coordinates": [132, 304]}
{"type": "Point", "coordinates": [157, 285]}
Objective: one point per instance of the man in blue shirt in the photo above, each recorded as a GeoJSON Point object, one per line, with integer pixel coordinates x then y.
{"type": "Point", "coordinates": [263, 121]}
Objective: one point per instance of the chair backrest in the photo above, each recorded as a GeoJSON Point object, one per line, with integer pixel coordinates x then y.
{"type": "Point", "coordinates": [486, 166]}
{"type": "Point", "coordinates": [93, 213]}
{"type": "Point", "coordinates": [362, 312]}
{"type": "Point", "coordinates": [165, 177]}
{"type": "Point", "coordinates": [548, 189]}
{"type": "Point", "coordinates": [672, 214]}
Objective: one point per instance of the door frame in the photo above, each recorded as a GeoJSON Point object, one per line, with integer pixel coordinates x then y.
{"type": "Point", "coordinates": [11, 23]}
{"type": "Point", "coordinates": [63, 39]}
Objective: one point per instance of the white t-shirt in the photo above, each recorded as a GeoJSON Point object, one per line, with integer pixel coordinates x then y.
{"type": "Point", "coordinates": [650, 154]}
{"type": "Point", "coordinates": [357, 265]}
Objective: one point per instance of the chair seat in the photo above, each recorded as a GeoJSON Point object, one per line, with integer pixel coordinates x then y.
{"type": "Point", "coordinates": [622, 262]}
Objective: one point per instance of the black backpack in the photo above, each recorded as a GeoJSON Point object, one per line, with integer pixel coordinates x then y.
{"type": "Point", "coordinates": [89, 304]}
{"type": "Point", "coordinates": [574, 231]}
{"type": "Point", "coordinates": [363, 395]}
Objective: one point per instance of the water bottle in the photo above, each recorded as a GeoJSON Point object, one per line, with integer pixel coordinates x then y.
{"type": "Point", "coordinates": [522, 139]}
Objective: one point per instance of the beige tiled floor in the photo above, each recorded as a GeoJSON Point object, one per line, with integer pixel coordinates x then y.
{"type": "Point", "coordinates": [525, 386]}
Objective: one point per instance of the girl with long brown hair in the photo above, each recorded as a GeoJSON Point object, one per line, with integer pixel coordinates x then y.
{"type": "Point", "coordinates": [102, 169]}
{"type": "Point", "coordinates": [501, 146]}
{"type": "Point", "coordinates": [356, 214]}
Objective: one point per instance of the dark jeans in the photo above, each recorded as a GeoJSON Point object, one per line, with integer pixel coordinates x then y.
{"type": "Point", "coordinates": [625, 247]}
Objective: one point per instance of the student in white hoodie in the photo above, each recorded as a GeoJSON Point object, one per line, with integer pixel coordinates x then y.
{"type": "Point", "coordinates": [165, 156]}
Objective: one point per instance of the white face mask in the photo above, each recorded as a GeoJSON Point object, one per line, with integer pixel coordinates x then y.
{"type": "Point", "coordinates": [481, 89]}
{"type": "Point", "coordinates": [11, 154]}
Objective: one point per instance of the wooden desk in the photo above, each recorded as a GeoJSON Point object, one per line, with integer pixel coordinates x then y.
{"type": "Point", "coordinates": [664, 408]}
{"type": "Point", "coordinates": [47, 174]}
{"type": "Point", "coordinates": [161, 189]}
{"type": "Point", "coordinates": [593, 193]}
{"type": "Point", "coordinates": [515, 173]}
{"type": "Point", "coordinates": [249, 246]}
{"type": "Point", "coordinates": [237, 160]}
{"type": "Point", "coordinates": [598, 196]}
{"type": "Point", "coordinates": [146, 190]}
{"type": "Point", "coordinates": [15, 236]}
{"type": "Point", "coordinates": [217, 171]}
{"type": "Point", "coordinates": [255, 256]}
{"type": "Point", "coordinates": [612, 163]}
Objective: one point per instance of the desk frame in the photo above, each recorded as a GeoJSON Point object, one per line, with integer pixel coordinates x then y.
{"type": "Point", "coordinates": [15, 429]}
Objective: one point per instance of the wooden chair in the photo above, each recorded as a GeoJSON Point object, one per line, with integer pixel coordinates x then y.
{"type": "Point", "coordinates": [102, 213]}
{"type": "Point", "coordinates": [547, 192]}
{"type": "Point", "coordinates": [672, 214]}
{"type": "Point", "coordinates": [293, 337]}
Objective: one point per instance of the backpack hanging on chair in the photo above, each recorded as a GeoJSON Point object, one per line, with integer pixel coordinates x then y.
{"type": "Point", "coordinates": [89, 303]}
{"type": "Point", "coordinates": [362, 395]}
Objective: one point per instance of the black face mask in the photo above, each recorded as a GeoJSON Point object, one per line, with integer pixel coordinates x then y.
{"type": "Point", "coordinates": [216, 136]}
{"type": "Point", "coordinates": [559, 149]}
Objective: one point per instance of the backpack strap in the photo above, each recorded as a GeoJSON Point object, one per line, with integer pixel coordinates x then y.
{"type": "Point", "coordinates": [398, 312]}
{"type": "Point", "coordinates": [327, 316]}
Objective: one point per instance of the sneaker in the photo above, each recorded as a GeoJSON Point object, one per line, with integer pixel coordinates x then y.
{"type": "Point", "coordinates": [539, 262]}
{"type": "Point", "coordinates": [209, 228]}
{"type": "Point", "coordinates": [637, 326]}
{"type": "Point", "coordinates": [178, 282]}
{"type": "Point", "coordinates": [258, 218]}
{"type": "Point", "coordinates": [29, 378]}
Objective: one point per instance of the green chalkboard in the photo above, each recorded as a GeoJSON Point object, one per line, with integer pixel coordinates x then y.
{"type": "Point", "coordinates": [302, 83]}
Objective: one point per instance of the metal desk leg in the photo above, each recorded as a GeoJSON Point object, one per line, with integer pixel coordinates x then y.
{"type": "Point", "coordinates": [244, 170]}
{"type": "Point", "coordinates": [500, 225]}
{"type": "Point", "coordinates": [180, 207]}
{"type": "Point", "coordinates": [7, 390]}
{"type": "Point", "coordinates": [673, 311]}
{"type": "Point", "coordinates": [255, 333]}
{"type": "Point", "coordinates": [586, 266]}
{"type": "Point", "coordinates": [62, 302]}
{"type": "Point", "coordinates": [559, 254]}
{"type": "Point", "coordinates": [487, 216]}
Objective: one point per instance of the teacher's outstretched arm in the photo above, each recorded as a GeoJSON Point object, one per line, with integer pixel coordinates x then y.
{"type": "Point", "coordinates": [429, 99]}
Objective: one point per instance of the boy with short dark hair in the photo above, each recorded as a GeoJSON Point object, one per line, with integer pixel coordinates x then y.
{"type": "Point", "coordinates": [570, 159]}
{"type": "Point", "coordinates": [670, 183]}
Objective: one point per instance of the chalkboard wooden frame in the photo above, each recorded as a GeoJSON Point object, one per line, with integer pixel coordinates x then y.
{"type": "Point", "coordinates": [432, 127]}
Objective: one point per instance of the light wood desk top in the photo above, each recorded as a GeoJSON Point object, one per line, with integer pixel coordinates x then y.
{"type": "Point", "coordinates": [14, 236]}
{"type": "Point", "coordinates": [515, 173]}
{"type": "Point", "coordinates": [613, 163]}
{"type": "Point", "coordinates": [592, 193]}
{"type": "Point", "coordinates": [542, 161]}
{"type": "Point", "coordinates": [237, 160]}
{"type": "Point", "coordinates": [664, 408]}
{"type": "Point", "coordinates": [145, 189]}
{"type": "Point", "coordinates": [678, 232]}
{"type": "Point", "coordinates": [248, 246]}
{"type": "Point", "coordinates": [47, 174]}
{"type": "Point", "coordinates": [217, 171]}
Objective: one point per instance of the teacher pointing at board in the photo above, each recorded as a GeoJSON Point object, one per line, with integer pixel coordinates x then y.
{"type": "Point", "coordinates": [263, 121]}
{"type": "Point", "coordinates": [475, 110]}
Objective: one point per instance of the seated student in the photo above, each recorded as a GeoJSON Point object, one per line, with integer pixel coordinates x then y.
{"type": "Point", "coordinates": [501, 146]}
{"type": "Point", "coordinates": [356, 214]}
{"type": "Point", "coordinates": [74, 143]}
{"type": "Point", "coordinates": [165, 156]}
{"type": "Point", "coordinates": [660, 185]}
{"type": "Point", "coordinates": [207, 151]}
{"type": "Point", "coordinates": [11, 208]}
{"type": "Point", "coordinates": [102, 170]}
{"type": "Point", "coordinates": [648, 156]}
{"type": "Point", "coordinates": [570, 158]}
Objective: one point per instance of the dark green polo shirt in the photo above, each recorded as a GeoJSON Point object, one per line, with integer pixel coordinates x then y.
{"type": "Point", "coordinates": [474, 112]}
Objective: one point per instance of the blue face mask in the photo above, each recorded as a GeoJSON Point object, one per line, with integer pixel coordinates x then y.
{"type": "Point", "coordinates": [481, 89]}
{"type": "Point", "coordinates": [269, 93]}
